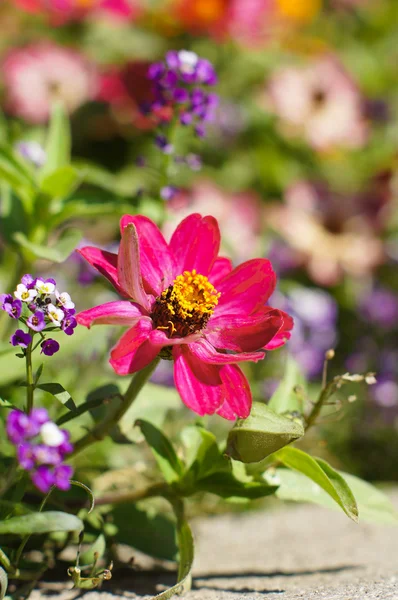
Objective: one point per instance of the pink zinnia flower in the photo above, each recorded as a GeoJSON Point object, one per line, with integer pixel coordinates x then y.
{"type": "Point", "coordinates": [36, 75]}
{"type": "Point", "coordinates": [188, 305]}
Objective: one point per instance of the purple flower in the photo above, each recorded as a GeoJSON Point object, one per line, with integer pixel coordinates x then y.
{"type": "Point", "coordinates": [62, 476]}
{"type": "Point", "coordinates": [36, 321]}
{"type": "Point", "coordinates": [68, 325]}
{"type": "Point", "coordinates": [43, 478]}
{"type": "Point", "coordinates": [28, 281]}
{"type": "Point", "coordinates": [194, 162]}
{"type": "Point", "coordinates": [25, 455]}
{"type": "Point", "coordinates": [20, 338]}
{"type": "Point", "coordinates": [168, 192]}
{"type": "Point", "coordinates": [46, 455]}
{"type": "Point", "coordinates": [381, 308]}
{"type": "Point", "coordinates": [49, 347]}
{"type": "Point", "coordinates": [21, 426]}
{"type": "Point", "coordinates": [12, 306]}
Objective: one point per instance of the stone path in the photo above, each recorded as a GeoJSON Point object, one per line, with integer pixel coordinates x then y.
{"type": "Point", "coordinates": [293, 553]}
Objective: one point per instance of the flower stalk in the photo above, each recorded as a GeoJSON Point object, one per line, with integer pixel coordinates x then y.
{"type": "Point", "coordinates": [101, 429]}
{"type": "Point", "coordinates": [29, 378]}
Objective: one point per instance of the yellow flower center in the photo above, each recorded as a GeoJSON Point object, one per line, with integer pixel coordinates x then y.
{"type": "Point", "coordinates": [186, 305]}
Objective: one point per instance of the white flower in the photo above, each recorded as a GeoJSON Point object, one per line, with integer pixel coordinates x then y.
{"type": "Point", "coordinates": [51, 434]}
{"type": "Point", "coordinates": [188, 61]}
{"type": "Point", "coordinates": [64, 299]}
{"type": "Point", "coordinates": [55, 314]}
{"type": "Point", "coordinates": [44, 287]}
{"type": "Point", "coordinates": [22, 293]}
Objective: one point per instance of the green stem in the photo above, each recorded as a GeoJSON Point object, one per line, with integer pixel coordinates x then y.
{"type": "Point", "coordinates": [29, 379]}
{"type": "Point", "coordinates": [27, 537]}
{"type": "Point", "coordinates": [102, 429]}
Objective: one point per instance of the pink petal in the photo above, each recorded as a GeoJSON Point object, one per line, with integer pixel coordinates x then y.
{"type": "Point", "coordinates": [159, 338]}
{"type": "Point", "coordinates": [129, 267]}
{"type": "Point", "coordinates": [132, 338]}
{"type": "Point", "coordinates": [247, 288]}
{"type": "Point", "coordinates": [195, 244]}
{"type": "Point", "coordinates": [136, 360]}
{"type": "Point", "coordinates": [283, 334]}
{"type": "Point", "coordinates": [205, 352]}
{"type": "Point", "coordinates": [104, 262]}
{"type": "Point", "coordinates": [112, 313]}
{"type": "Point", "coordinates": [157, 267]}
{"type": "Point", "coordinates": [238, 397]}
{"type": "Point", "coordinates": [243, 333]}
{"type": "Point", "coordinates": [222, 266]}
{"type": "Point", "coordinates": [198, 384]}
{"type": "Point", "coordinates": [226, 412]}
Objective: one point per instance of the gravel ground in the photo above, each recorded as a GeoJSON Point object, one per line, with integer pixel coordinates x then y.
{"type": "Point", "coordinates": [295, 553]}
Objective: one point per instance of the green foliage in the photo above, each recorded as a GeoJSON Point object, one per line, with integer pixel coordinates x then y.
{"type": "Point", "coordinates": [261, 434]}
{"type": "Point", "coordinates": [163, 451]}
{"type": "Point", "coordinates": [58, 252]}
{"type": "Point", "coordinates": [3, 583]}
{"type": "Point", "coordinates": [323, 475]}
{"type": "Point", "coordinates": [59, 393]}
{"type": "Point", "coordinates": [41, 522]}
{"type": "Point", "coordinates": [145, 529]}
{"type": "Point", "coordinates": [285, 398]}
{"type": "Point", "coordinates": [58, 145]}
{"type": "Point", "coordinates": [373, 505]}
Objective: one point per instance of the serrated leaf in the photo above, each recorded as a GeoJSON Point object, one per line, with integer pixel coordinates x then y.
{"type": "Point", "coordinates": [284, 399]}
{"type": "Point", "coordinates": [61, 182]}
{"type": "Point", "coordinates": [323, 475]}
{"type": "Point", "coordinates": [58, 145]}
{"type": "Point", "coordinates": [168, 462]}
{"type": "Point", "coordinates": [373, 505]}
{"type": "Point", "coordinates": [63, 247]}
{"type": "Point", "coordinates": [261, 434]}
{"type": "Point", "coordinates": [60, 393]}
{"type": "Point", "coordinates": [43, 522]}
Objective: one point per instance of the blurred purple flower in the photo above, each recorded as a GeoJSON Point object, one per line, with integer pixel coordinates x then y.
{"type": "Point", "coordinates": [41, 447]}
{"type": "Point", "coordinates": [380, 307]}
{"type": "Point", "coordinates": [33, 152]}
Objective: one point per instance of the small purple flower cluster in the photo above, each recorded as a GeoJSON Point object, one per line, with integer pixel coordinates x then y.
{"type": "Point", "coordinates": [181, 83]}
{"type": "Point", "coordinates": [41, 448]}
{"type": "Point", "coordinates": [39, 305]}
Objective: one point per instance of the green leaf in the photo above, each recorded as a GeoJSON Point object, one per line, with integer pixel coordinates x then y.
{"type": "Point", "coordinates": [98, 547]}
{"type": "Point", "coordinates": [62, 248]}
{"type": "Point", "coordinates": [323, 475]}
{"type": "Point", "coordinates": [285, 399]}
{"type": "Point", "coordinates": [61, 182]}
{"type": "Point", "coordinates": [41, 522]}
{"type": "Point", "coordinates": [261, 434]}
{"type": "Point", "coordinates": [373, 505]}
{"type": "Point", "coordinates": [226, 485]}
{"type": "Point", "coordinates": [14, 171]}
{"type": "Point", "coordinates": [58, 146]}
{"type": "Point", "coordinates": [186, 555]}
{"type": "Point", "coordinates": [146, 530]}
{"type": "Point", "coordinates": [204, 456]}
{"type": "Point", "coordinates": [60, 393]}
{"type": "Point", "coordinates": [152, 404]}
{"type": "Point", "coordinates": [163, 451]}
{"type": "Point", "coordinates": [3, 583]}
{"type": "Point", "coordinates": [13, 217]}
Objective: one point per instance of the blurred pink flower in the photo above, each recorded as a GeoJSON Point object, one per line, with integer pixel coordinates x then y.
{"type": "Point", "coordinates": [185, 303]}
{"type": "Point", "coordinates": [35, 76]}
{"type": "Point", "coordinates": [239, 216]}
{"type": "Point", "coordinates": [319, 102]}
{"type": "Point", "coordinates": [331, 234]}
{"type": "Point", "coordinates": [62, 11]}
